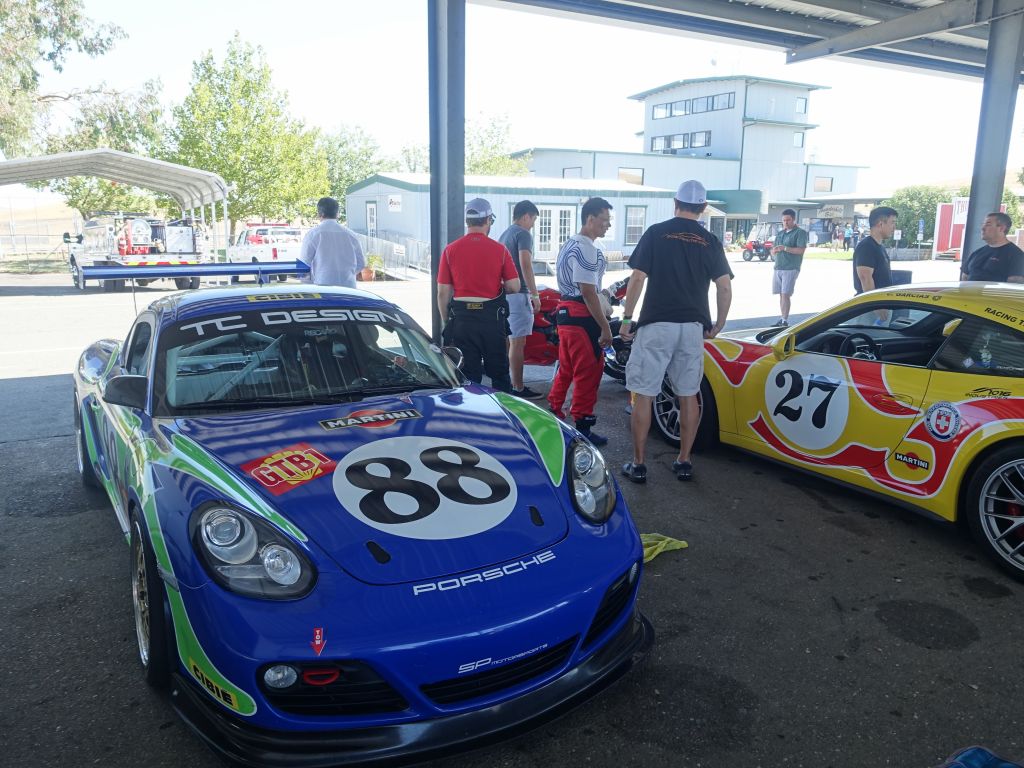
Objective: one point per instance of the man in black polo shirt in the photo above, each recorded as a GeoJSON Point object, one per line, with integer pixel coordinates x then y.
{"type": "Point", "coordinates": [999, 260]}
{"type": "Point", "coordinates": [870, 259]}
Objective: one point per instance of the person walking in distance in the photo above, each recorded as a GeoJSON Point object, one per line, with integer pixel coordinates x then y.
{"type": "Point", "coordinates": [474, 275]}
{"type": "Point", "coordinates": [583, 329]}
{"type": "Point", "coordinates": [788, 251]}
{"type": "Point", "coordinates": [521, 306]}
{"type": "Point", "coordinates": [682, 259]}
{"type": "Point", "coordinates": [331, 250]}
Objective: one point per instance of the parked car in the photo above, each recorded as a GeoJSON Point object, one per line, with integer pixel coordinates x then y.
{"type": "Point", "coordinates": [340, 551]}
{"type": "Point", "coordinates": [257, 243]}
{"type": "Point", "coordinates": [915, 393]}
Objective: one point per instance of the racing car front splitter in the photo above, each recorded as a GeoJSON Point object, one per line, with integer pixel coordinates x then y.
{"type": "Point", "coordinates": [421, 740]}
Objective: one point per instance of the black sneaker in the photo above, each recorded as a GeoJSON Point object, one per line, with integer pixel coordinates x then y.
{"type": "Point", "coordinates": [636, 473]}
{"type": "Point", "coordinates": [527, 394]}
{"type": "Point", "coordinates": [683, 470]}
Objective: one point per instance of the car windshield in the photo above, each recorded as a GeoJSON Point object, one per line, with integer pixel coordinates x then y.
{"type": "Point", "coordinates": [282, 358]}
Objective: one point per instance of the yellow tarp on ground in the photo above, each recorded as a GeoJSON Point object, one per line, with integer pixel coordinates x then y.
{"type": "Point", "coordinates": [656, 543]}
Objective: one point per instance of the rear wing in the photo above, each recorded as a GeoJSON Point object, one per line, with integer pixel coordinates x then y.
{"type": "Point", "coordinates": [156, 271]}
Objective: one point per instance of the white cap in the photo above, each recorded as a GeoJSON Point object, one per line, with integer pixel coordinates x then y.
{"type": "Point", "coordinates": [692, 192]}
{"type": "Point", "coordinates": [478, 208]}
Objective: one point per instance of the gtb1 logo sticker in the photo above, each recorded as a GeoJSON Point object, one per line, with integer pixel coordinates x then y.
{"type": "Point", "coordinates": [425, 488]}
{"type": "Point", "coordinates": [942, 421]}
{"type": "Point", "coordinates": [289, 468]}
{"type": "Point", "coordinates": [808, 400]}
{"type": "Point", "coordinates": [371, 418]}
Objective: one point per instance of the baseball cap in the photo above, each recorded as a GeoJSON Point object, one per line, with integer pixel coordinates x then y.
{"type": "Point", "coordinates": [478, 208]}
{"type": "Point", "coordinates": [692, 192]}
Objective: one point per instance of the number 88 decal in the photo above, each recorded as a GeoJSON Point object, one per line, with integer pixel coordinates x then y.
{"type": "Point", "coordinates": [425, 488]}
{"type": "Point", "coordinates": [808, 400]}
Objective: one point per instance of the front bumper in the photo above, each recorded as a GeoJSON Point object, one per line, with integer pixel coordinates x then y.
{"type": "Point", "coordinates": [233, 739]}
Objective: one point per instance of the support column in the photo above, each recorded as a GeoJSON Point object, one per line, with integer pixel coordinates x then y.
{"type": "Point", "coordinates": [227, 229]}
{"type": "Point", "coordinates": [446, 20]}
{"type": "Point", "coordinates": [998, 99]}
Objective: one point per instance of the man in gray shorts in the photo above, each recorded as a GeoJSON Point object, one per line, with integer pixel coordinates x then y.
{"type": "Point", "coordinates": [682, 259]}
{"type": "Point", "coordinates": [788, 251]}
{"type": "Point", "coordinates": [521, 306]}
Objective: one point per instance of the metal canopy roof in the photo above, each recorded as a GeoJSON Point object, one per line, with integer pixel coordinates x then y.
{"type": "Point", "coordinates": [793, 24]}
{"type": "Point", "coordinates": [192, 188]}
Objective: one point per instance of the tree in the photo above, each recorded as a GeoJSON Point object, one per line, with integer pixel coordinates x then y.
{"type": "Point", "coordinates": [1010, 200]}
{"type": "Point", "coordinates": [125, 122]}
{"type": "Point", "coordinates": [35, 33]}
{"type": "Point", "coordinates": [913, 204]}
{"type": "Point", "coordinates": [352, 156]}
{"type": "Point", "coordinates": [235, 124]}
{"type": "Point", "coordinates": [488, 148]}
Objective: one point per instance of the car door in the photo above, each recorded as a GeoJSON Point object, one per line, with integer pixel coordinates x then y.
{"type": "Point", "coordinates": [845, 390]}
{"type": "Point", "coordinates": [120, 428]}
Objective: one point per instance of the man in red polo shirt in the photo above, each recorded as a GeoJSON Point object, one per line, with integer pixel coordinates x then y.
{"type": "Point", "coordinates": [472, 280]}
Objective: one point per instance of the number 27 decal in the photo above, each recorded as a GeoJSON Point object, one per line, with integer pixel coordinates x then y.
{"type": "Point", "coordinates": [815, 383]}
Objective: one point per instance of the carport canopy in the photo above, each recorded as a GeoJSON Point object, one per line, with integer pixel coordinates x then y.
{"type": "Point", "coordinates": [190, 187]}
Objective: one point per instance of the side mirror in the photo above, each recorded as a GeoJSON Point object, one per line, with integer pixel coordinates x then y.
{"type": "Point", "coordinates": [454, 354]}
{"type": "Point", "coordinates": [79, 239]}
{"type": "Point", "coordinates": [783, 345]}
{"type": "Point", "coordinates": [67, 237]}
{"type": "Point", "coordinates": [129, 391]}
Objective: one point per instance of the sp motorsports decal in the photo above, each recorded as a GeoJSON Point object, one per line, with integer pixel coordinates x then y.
{"type": "Point", "coordinates": [371, 418]}
{"type": "Point", "coordinates": [289, 468]}
{"type": "Point", "coordinates": [425, 488]}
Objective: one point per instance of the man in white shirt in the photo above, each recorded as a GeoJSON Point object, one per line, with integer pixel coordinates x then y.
{"type": "Point", "coordinates": [332, 252]}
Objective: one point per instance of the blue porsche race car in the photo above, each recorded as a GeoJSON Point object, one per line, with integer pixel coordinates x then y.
{"type": "Point", "coordinates": [340, 552]}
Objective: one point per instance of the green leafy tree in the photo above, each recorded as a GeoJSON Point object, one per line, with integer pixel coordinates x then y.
{"type": "Point", "coordinates": [913, 204]}
{"type": "Point", "coordinates": [1010, 200]}
{"type": "Point", "coordinates": [35, 34]}
{"type": "Point", "coordinates": [352, 156]}
{"type": "Point", "coordinates": [488, 148]}
{"type": "Point", "coordinates": [125, 122]}
{"type": "Point", "coordinates": [234, 123]}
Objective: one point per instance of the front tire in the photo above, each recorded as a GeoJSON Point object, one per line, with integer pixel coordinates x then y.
{"type": "Point", "coordinates": [148, 604]}
{"type": "Point", "coordinates": [748, 255]}
{"type": "Point", "coordinates": [994, 507]}
{"type": "Point", "coordinates": [76, 275]}
{"type": "Point", "coordinates": [182, 283]}
{"type": "Point", "coordinates": [665, 415]}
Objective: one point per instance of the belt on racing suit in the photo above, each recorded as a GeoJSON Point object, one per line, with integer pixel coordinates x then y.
{"type": "Point", "coordinates": [495, 309]}
{"type": "Point", "coordinates": [564, 316]}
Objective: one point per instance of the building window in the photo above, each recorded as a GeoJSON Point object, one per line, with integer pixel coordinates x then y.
{"type": "Point", "coordinates": [798, 139]}
{"type": "Point", "coordinates": [669, 144]}
{"type": "Point", "coordinates": [822, 183]}
{"type": "Point", "coordinates": [631, 175]}
{"type": "Point", "coordinates": [724, 100]}
{"type": "Point", "coordinates": [572, 173]}
{"type": "Point", "coordinates": [658, 143]}
{"type": "Point", "coordinates": [699, 105]}
{"type": "Point", "coordinates": [680, 107]}
{"type": "Point", "coordinates": [636, 218]}
{"type": "Point", "coordinates": [700, 139]}
{"type": "Point", "coordinates": [661, 111]}
{"type": "Point", "coordinates": [801, 105]}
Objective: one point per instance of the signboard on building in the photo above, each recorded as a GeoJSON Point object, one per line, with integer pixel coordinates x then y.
{"type": "Point", "coordinates": [394, 203]}
{"type": "Point", "coordinates": [831, 211]}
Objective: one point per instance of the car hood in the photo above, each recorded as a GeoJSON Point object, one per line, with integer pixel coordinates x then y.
{"type": "Point", "coordinates": [401, 488]}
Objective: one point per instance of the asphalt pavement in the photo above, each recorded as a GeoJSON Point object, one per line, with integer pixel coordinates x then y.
{"type": "Point", "coordinates": [805, 624]}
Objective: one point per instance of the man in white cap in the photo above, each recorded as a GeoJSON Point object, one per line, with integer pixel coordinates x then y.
{"type": "Point", "coordinates": [682, 259]}
{"type": "Point", "coordinates": [474, 275]}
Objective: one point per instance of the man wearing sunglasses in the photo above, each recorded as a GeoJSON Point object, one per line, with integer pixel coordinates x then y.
{"type": "Point", "coordinates": [474, 275]}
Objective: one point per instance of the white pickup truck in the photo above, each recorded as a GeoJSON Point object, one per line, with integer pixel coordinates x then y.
{"type": "Point", "coordinates": [266, 243]}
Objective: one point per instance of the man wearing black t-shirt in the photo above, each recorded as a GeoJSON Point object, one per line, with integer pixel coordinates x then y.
{"type": "Point", "coordinates": [999, 260]}
{"type": "Point", "coordinates": [681, 258]}
{"type": "Point", "coordinates": [870, 259]}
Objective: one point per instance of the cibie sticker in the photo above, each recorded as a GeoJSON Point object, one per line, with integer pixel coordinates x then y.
{"type": "Point", "coordinates": [425, 488]}
{"type": "Point", "coordinates": [942, 420]}
{"type": "Point", "coordinates": [808, 400]}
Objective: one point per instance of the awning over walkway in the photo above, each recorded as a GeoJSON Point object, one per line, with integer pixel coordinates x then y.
{"type": "Point", "coordinates": [190, 187]}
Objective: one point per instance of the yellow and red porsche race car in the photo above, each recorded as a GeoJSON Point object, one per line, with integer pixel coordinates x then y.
{"type": "Point", "coordinates": [913, 392]}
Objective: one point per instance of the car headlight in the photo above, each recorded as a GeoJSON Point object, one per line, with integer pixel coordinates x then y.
{"type": "Point", "coordinates": [593, 492]}
{"type": "Point", "coordinates": [247, 555]}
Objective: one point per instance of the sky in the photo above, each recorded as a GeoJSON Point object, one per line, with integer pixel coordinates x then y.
{"type": "Point", "coordinates": [558, 82]}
